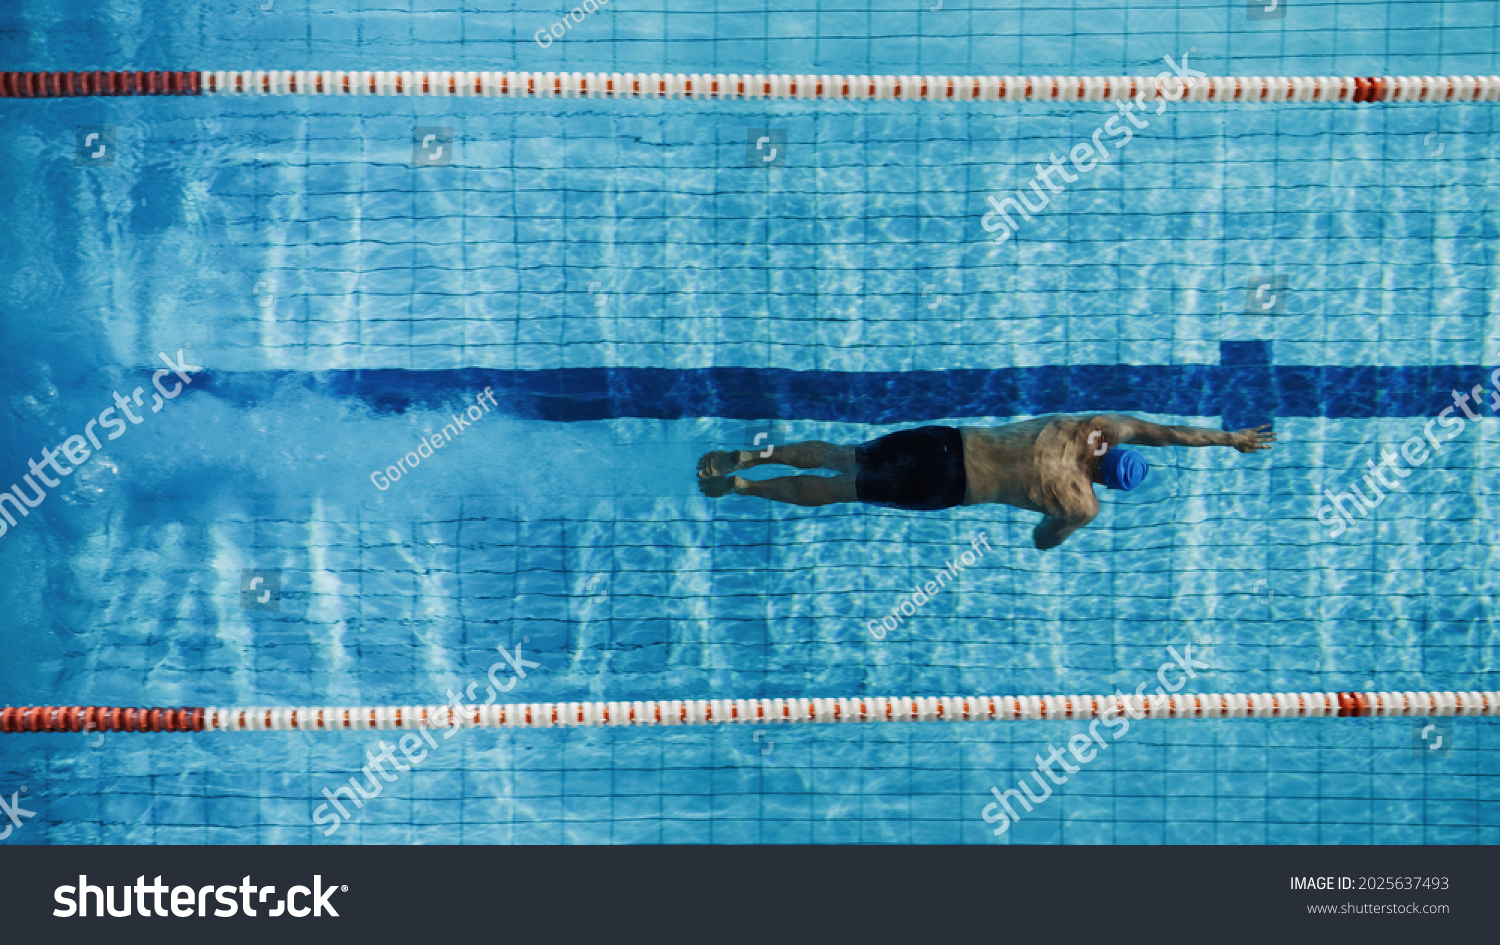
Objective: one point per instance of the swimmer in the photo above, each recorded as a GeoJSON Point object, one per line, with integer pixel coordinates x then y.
{"type": "Point", "coordinates": [1047, 464]}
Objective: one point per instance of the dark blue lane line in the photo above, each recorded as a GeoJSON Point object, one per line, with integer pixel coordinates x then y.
{"type": "Point", "coordinates": [1245, 390]}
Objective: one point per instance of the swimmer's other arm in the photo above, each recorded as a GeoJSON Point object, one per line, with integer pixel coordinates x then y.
{"type": "Point", "coordinates": [1122, 429]}
{"type": "Point", "coordinates": [1051, 532]}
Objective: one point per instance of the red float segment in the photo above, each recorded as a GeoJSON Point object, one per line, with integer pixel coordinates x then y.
{"type": "Point", "coordinates": [72, 84]}
{"type": "Point", "coordinates": [91, 718]}
{"type": "Point", "coordinates": [1371, 89]}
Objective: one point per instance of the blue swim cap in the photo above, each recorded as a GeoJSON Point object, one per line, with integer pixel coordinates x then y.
{"type": "Point", "coordinates": [1123, 469]}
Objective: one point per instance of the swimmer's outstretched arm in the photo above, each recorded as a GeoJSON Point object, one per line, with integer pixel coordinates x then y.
{"type": "Point", "coordinates": [1128, 429]}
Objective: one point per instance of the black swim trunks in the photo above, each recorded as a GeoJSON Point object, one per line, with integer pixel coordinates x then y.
{"type": "Point", "coordinates": [921, 469]}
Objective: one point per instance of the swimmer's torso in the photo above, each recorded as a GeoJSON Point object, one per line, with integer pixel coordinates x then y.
{"type": "Point", "coordinates": [1039, 464]}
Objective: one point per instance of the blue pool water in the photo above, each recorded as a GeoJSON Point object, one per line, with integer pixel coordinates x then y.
{"type": "Point", "coordinates": [635, 294]}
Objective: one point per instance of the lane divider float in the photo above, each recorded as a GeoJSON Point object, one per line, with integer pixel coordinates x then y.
{"type": "Point", "coordinates": [1239, 705]}
{"type": "Point", "coordinates": [925, 88]}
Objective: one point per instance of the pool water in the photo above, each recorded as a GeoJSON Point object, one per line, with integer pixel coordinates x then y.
{"type": "Point", "coordinates": [635, 287]}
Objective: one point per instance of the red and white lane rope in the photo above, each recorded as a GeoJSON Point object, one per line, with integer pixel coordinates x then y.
{"type": "Point", "coordinates": [1238, 705]}
{"type": "Point", "coordinates": [923, 88]}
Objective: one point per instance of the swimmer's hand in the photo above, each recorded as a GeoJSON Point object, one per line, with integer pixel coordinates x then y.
{"type": "Point", "coordinates": [1253, 439]}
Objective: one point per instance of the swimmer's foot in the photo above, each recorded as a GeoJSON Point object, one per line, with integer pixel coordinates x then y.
{"type": "Point", "coordinates": [716, 486]}
{"type": "Point", "coordinates": [718, 463]}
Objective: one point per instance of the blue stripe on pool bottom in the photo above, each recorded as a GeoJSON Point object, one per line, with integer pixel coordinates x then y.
{"type": "Point", "coordinates": [1244, 391]}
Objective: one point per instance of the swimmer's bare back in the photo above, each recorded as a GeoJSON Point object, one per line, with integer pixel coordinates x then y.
{"type": "Point", "coordinates": [1050, 464]}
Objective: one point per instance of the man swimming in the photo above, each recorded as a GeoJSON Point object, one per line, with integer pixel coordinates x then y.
{"type": "Point", "coordinates": [1047, 465]}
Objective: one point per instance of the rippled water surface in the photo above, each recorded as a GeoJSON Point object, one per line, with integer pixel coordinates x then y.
{"type": "Point", "coordinates": [635, 292]}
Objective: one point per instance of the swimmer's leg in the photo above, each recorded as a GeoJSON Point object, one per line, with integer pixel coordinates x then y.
{"type": "Point", "coordinates": [809, 491]}
{"type": "Point", "coordinates": [813, 454]}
